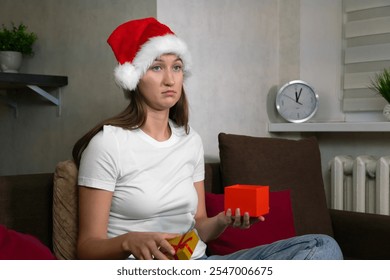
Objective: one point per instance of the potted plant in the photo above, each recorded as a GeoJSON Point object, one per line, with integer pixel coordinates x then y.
{"type": "Point", "coordinates": [15, 42]}
{"type": "Point", "coordinates": [380, 84]}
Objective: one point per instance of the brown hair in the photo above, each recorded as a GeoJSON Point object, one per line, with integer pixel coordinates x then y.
{"type": "Point", "coordinates": [133, 117]}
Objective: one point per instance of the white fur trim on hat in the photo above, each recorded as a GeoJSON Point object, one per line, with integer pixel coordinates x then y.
{"type": "Point", "coordinates": [127, 75]}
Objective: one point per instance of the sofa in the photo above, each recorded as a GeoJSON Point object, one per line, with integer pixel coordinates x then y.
{"type": "Point", "coordinates": [44, 206]}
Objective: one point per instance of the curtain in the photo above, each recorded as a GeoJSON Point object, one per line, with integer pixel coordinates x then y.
{"type": "Point", "coordinates": [366, 46]}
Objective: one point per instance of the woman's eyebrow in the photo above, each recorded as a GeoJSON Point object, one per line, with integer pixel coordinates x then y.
{"type": "Point", "coordinates": [161, 60]}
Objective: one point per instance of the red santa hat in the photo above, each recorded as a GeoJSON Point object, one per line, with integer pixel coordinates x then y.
{"type": "Point", "coordinates": [137, 43]}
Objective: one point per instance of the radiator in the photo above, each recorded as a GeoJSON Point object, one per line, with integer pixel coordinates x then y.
{"type": "Point", "coordinates": [360, 184]}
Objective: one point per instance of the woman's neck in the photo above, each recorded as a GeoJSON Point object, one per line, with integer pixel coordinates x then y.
{"type": "Point", "coordinates": [157, 127]}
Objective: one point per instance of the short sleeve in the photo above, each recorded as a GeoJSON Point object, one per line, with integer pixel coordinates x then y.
{"type": "Point", "coordinates": [99, 161]}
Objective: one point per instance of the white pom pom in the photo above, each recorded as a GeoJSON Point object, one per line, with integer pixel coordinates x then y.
{"type": "Point", "coordinates": [126, 76]}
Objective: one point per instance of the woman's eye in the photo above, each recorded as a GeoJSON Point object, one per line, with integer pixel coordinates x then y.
{"type": "Point", "coordinates": [156, 68]}
{"type": "Point", "coordinates": [177, 68]}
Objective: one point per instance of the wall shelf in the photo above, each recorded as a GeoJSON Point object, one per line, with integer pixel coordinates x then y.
{"type": "Point", "coordinates": [39, 84]}
{"type": "Point", "coordinates": [330, 127]}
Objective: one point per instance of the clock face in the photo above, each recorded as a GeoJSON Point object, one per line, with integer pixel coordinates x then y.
{"type": "Point", "coordinates": [296, 101]}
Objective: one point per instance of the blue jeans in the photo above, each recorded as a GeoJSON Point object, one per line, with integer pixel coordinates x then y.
{"type": "Point", "coordinates": [305, 247]}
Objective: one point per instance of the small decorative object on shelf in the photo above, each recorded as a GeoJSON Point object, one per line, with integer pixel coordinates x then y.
{"type": "Point", "coordinates": [296, 101]}
{"type": "Point", "coordinates": [380, 84]}
{"type": "Point", "coordinates": [15, 42]}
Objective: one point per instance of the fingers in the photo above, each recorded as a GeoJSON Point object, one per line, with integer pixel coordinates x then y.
{"type": "Point", "coordinates": [261, 218]}
{"type": "Point", "coordinates": [154, 246]}
{"type": "Point", "coordinates": [164, 250]}
{"type": "Point", "coordinates": [244, 221]}
{"type": "Point", "coordinates": [165, 246]}
{"type": "Point", "coordinates": [156, 252]}
{"type": "Point", "coordinates": [241, 221]}
{"type": "Point", "coordinates": [237, 218]}
{"type": "Point", "coordinates": [145, 254]}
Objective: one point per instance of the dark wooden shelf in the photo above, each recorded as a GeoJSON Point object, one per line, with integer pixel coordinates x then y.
{"type": "Point", "coordinates": [330, 127]}
{"type": "Point", "coordinates": [35, 82]}
{"type": "Point", "coordinates": [11, 80]}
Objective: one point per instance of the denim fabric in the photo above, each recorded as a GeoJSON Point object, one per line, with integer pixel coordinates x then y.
{"type": "Point", "coordinates": [305, 247]}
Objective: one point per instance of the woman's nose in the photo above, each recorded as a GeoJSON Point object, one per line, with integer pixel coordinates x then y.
{"type": "Point", "coordinates": [169, 78]}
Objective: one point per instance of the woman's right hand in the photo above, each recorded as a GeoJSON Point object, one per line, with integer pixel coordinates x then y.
{"type": "Point", "coordinates": [149, 245]}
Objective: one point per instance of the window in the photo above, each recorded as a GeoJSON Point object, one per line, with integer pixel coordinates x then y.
{"type": "Point", "coordinates": [366, 47]}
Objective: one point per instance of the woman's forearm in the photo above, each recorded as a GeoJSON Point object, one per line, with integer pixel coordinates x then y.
{"type": "Point", "coordinates": [105, 249]}
{"type": "Point", "coordinates": [210, 228]}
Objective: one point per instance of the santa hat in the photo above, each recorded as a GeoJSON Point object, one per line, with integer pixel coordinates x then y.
{"type": "Point", "coordinates": [137, 43]}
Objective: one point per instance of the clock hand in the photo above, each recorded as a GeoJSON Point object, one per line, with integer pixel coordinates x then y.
{"type": "Point", "coordinates": [294, 100]}
{"type": "Point", "coordinates": [299, 95]}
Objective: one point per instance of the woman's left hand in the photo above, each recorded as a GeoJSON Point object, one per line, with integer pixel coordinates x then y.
{"type": "Point", "coordinates": [238, 221]}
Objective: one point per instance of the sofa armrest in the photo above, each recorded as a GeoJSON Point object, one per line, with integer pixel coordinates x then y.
{"type": "Point", "coordinates": [362, 235]}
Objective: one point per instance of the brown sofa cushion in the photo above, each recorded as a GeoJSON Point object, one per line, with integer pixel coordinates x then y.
{"type": "Point", "coordinates": [281, 164]}
{"type": "Point", "coordinates": [65, 210]}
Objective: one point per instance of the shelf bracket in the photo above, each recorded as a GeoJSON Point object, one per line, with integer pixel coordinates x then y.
{"type": "Point", "coordinates": [12, 104]}
{"type": "Point", "coordinates": [45, 94]}
{"type": "Point", "coordinates": [48, 96]}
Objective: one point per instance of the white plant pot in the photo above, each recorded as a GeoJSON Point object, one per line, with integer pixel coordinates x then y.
{"type": "Point", "coordinates": [10, 61]}
{"type": "Point", "coordinates": [386, 112]}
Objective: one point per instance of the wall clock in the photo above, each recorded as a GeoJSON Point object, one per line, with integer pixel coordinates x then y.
{"type": "Point", "coordinates": [296, 101]}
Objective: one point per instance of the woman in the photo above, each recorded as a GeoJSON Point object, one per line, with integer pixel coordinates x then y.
{"type": "Point", "coordinates": [141, 173]}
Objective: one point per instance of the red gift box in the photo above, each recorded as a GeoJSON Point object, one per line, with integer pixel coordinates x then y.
{"type": "Point", "coordinates": [249, 198]}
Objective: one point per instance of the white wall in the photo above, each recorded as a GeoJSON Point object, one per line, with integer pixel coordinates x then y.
{"type": "Point", "coordinates": [244, 53]}
{"type": "Point", "coordinates": [321, 54]}
{"type": "Point", "coordinates": [235, 51]}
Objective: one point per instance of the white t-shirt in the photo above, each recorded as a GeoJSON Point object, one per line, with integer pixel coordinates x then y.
{"type": "Point", "coordinates": [152, 182]}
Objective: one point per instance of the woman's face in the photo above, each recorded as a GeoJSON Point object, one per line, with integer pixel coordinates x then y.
{"type": "Point", "coordinates": [162, 83]}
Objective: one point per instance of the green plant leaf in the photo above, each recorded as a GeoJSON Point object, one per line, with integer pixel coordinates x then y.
{"type": "Point", "coordinates": [380, 84]}
{"type": "Point", "coordinates": [17, 38]}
